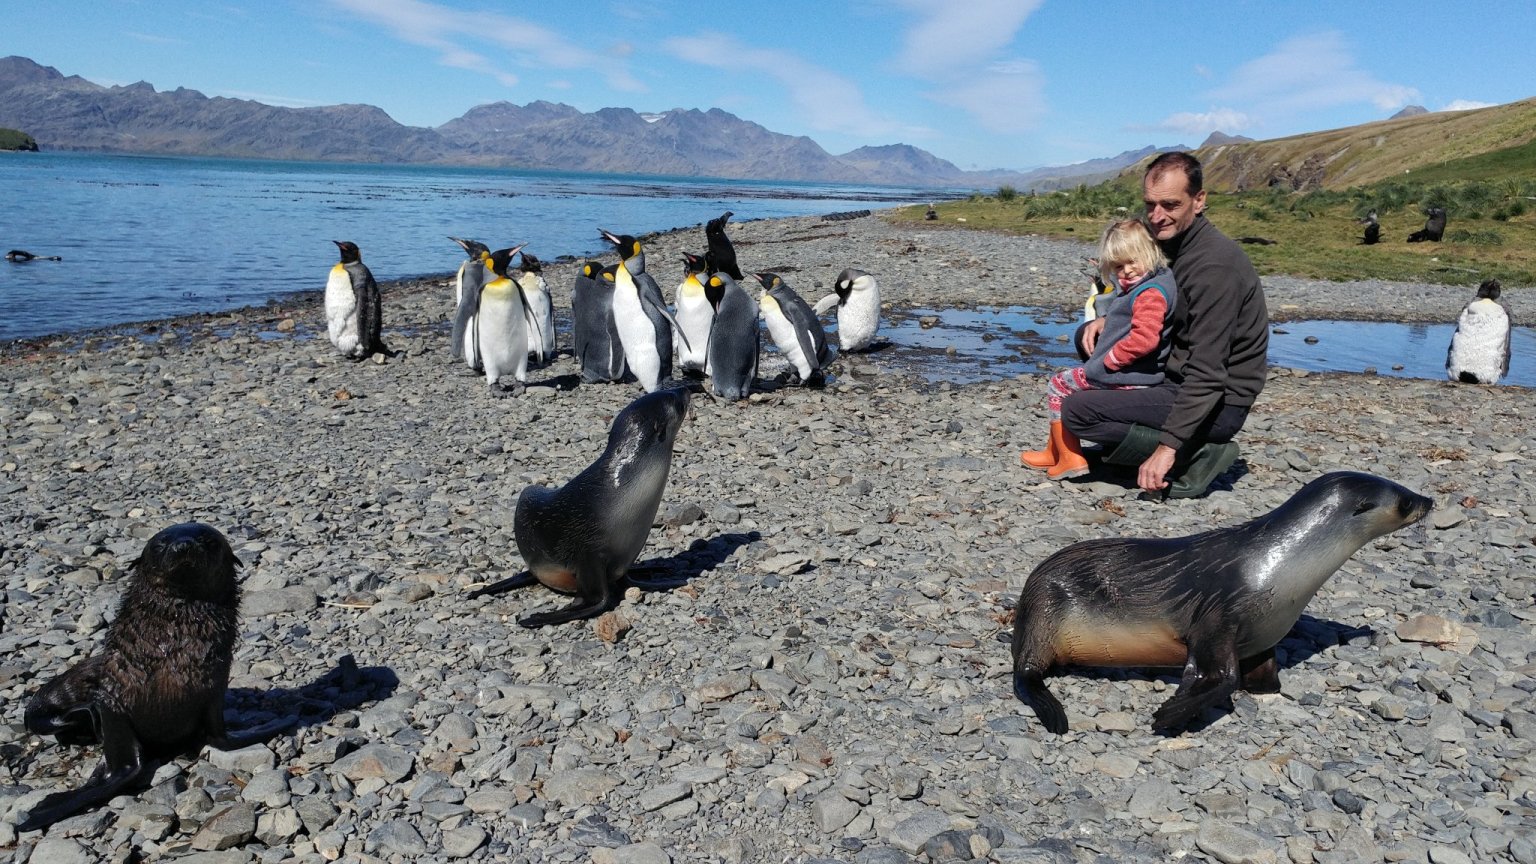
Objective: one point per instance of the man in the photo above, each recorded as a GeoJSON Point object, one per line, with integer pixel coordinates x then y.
{"type": "Point", "coordinates": [1184, 427]}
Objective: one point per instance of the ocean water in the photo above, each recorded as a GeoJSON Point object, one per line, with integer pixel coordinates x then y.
{"type": "Point", "coordinates": [152, 237]}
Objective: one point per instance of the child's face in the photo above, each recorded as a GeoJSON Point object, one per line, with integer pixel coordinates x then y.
{"type": "Point", "coordinates": [1128, 272]}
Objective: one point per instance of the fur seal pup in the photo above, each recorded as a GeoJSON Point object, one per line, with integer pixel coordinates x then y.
{"type": "Point", "coordinates": [1215, 603]}
{"type": "Point", "coordinates": [721, 255]}
{"type": "Point", "coordinates": [156, 687]}
{"type": "Point", "coordinates": [1434, 227]}
{"type": "Point", "coordinates": [1479, 352]}
{"type": "Point", "coordinates": [582, 538]}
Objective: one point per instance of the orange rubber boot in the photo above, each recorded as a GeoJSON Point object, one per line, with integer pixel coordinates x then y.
{"type": "Point", "coordinates": [1042, 459]}
{"type": "Point", "coordinates": [1070, 461]}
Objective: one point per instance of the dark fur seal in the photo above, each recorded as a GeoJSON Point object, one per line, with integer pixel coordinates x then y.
{"type": "Point", "coordinates": [721, 256]}
{"type": "Point", "coordinates": [1214, 603]}
{"type": "Point", "coordinates": [582, 538]}
{"type": "Point", "coordinates": [1434, 227]}
{"type": "Point", "coordinates": [156, 687]}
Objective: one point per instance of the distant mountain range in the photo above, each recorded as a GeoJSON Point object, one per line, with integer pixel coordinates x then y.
{"type": "Point", "coordinates": [71, 113]}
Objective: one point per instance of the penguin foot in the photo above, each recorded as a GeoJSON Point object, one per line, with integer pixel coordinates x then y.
{"type": "Point", "coordinates": [514, 391]}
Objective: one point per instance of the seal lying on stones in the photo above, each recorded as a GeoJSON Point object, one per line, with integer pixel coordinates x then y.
{"type": "Point", "coordinates": [1214, 603]}
{"type": "Point", "coordinates": [156, 687]}
{"type": "Point", "coordinates": [582, 538]}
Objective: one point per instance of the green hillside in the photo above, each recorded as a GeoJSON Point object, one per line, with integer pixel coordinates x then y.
{"type": "Point", "coordinates": [13, 139]}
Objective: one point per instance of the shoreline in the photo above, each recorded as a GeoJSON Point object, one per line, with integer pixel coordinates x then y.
{"type": "Point", "coordinates": [1052, 283]}
{"type": "Point", "coordinates": [825, 673]}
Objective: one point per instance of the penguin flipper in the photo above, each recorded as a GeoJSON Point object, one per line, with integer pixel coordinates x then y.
{"type": "Point", "coordinates": [676, 327]}
{"type": "Point", "coordinates": [521, 580]}
{"type": "Point", "coordinates": [825, 304]}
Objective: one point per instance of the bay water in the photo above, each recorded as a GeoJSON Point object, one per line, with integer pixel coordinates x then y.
{"type": "Point", "coordinates": [144, 237]}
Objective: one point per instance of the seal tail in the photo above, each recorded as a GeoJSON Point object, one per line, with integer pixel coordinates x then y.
{"type": "Point", "coordinates": [1029, 687]}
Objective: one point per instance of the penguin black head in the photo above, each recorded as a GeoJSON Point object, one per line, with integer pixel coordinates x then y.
{"type": "Point", "coordinates": [627, 246]}
{"type": "Point", "coordinates": [532, 264]}
{"type": "Point", "coordinates": [473, 248]}
{"type": "Point", "coordinates": [349, 251]}
{"type": "Point", "coordinates": [609, 274]}
{"type": "Point", "coordinates": [692, 264]}
{"type": "Point", "coordinates": [769, 281]}
{"type": "Point", "coordinates": [501, 258]}
{"type": "Point", "coordinates": [714, 289]}
{"type": "Point", "coordinates": [1489, 290]}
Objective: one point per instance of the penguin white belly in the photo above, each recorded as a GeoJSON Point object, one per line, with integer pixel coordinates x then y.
{"type": "Point", "coordinates": [341, 311]}
{"type": "Point", "coordinates": [784, 336]}
{"type": "Point", "coordinates": [503, 334]}
{"type": "Point", "coordinates": [1477, 348]}
{"type": "Point", "coordinates": [637, 335]}
{"type": "Point", "coordinates": [857, 321]}
{"type": "Point", "coordinates": [694, 316]}
{"type": "Point", "coordinates": [541, 339]}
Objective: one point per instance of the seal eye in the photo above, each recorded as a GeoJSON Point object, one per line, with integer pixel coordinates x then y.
{"type": "Point", "coordinates": [1364, 506]}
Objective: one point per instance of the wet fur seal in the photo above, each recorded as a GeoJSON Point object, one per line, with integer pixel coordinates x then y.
{"type": "Point", "coordinates": [582, 538]}
{"type": "Point", "coordinates": [1215, 603]}
{"type": "Point", "coordinates": [155, 690]}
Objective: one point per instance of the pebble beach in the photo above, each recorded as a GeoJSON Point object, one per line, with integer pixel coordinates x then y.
{"type": "Point", "coordinates": [817, 669]}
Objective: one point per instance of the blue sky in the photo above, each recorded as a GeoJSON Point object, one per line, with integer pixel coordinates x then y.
{"type": "Point", "coordinates": [982, 83]}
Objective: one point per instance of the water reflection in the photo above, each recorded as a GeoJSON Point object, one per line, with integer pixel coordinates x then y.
{"type": "Point", "coordinates": [994, 343]}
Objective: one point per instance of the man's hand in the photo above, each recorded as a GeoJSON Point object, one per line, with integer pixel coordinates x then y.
{"type": "Point", "coordinates": [1153, 474]}
{"type": "Point", "coordinates": [1091, 332]}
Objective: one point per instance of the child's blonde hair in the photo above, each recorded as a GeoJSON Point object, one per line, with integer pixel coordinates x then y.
{"type": "Point", "coordinates": [1127, 241]}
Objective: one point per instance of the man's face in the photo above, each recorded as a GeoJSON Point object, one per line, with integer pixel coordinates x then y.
{"type": "Point", "coordinates": [1170, 207]}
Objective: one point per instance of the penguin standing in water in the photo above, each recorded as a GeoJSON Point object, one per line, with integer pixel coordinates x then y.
{"type": "Point", "coordinates": [1372, 230]}
{"type": "Point", "coordinates": [541, 331]}
{"type": "Point", "coordinates": [721, 256]}
{"type": "Point", "coordinates": [733, 339]}
{"type": "Point", "coordinates": [1479, 352]}
{"type": "Point", "coordinates": [694, 317]}
{"type": "Point", "coordinates": [353, 316]}
{"type": "Point", "coordinates": [594, 331]}
{"type": "Point", "coordinates": [857, 299]}
{"type": "Point", "coordinates": [466, 291]}
{"type": "Point", "coordinates": [500, 331]}
{"type": "Point", "coordinates": [643, 320]}
{"type": "Point", "coordinates": [794, 328]}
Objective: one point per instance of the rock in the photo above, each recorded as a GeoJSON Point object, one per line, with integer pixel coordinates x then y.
{"type": "Point", "coordinates": [913, 833]}
{"type": "Point", "coordinates": [579, 786]}
{"type": "Point", "coordinates": [1230, 844]}
{"type": "Point", "coordinates": [1429, 628]}
{"type": "Point", "coordinates": [383, 761]}
{"type": "Point", "coordinates": [226, 828]}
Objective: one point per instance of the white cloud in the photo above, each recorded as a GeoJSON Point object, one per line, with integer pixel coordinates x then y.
{"type": "Point", "coordinates": [1200, 125]}
{"type": "Point", "coordinates": [953, 36]}
{"type": "Point", "coordinates": [1466, 105]}
{"type": "Point", "coordinates": [1308, 73]}
{"type": "Point", "coordinates": [956, 47]}
{"type": "Point", "coordinates": [828, 101]}
{"type": "Point", "coordinates": [463, 40]}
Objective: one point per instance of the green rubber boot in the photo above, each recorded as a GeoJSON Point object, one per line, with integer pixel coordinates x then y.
{"type": "Point", "coordinates": [1206, 465]}
{"type": "Point", "coordinates": [1139, 443]}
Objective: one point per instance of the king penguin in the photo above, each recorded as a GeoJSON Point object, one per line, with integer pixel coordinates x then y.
{"type": "Point", "coordinates": [721, 255]}
{"type": "Point", "coordinates": [694, 317]}
{"type": "Point", "coordinates": [501, 326]}
{"type": "Point", "coordinates": [1479, 352]}
{"type": "Point", "coordinates": [857, 299]}
{"type": "Point", "coordinates": [541, 329]}
{"type": "Point", "coordinates": [644, 323]}
{"type": "Point", "coordinates": [594, 332]}
{"type": "Point", "coordinates": [353, 316]}
{"type": "Point", "coordinates": [472, 274]}
{"type": "Point", "coordinates": [733, 339]}
{"type": "Point", "coordinates": [794, 328]}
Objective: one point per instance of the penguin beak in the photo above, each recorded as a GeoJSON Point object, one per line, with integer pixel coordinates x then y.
{"type": "Point", "coordinates": [609, 236]}
{"type": "Point", "coordinates": [338, 243]}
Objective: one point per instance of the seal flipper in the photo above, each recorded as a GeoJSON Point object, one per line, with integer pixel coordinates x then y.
{"type": "Point", "coordinates": [1029, 687]}
{"type": "Point", "coordinates": [594, 586]}
{"type": "Point", "coordinates": [1261, 673]}
{"type": "Point", "coordinates": [1210, 676]}
{"type": "Point", "coordinates": [521, 580]}
{"type": "Point", "coordinates": [123, 764]}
